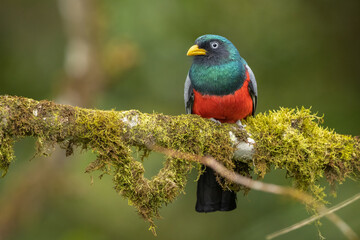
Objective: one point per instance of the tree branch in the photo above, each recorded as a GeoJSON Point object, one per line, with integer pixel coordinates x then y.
{"type": "Point", "coordinates": [290, 139]}
{"type": "Point", "coordinates": [274, 189]}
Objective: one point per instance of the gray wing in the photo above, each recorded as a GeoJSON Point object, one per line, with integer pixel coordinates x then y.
{"type": "Point", "coordinates": [252, 88]}
{"type": "Point", "coordinates": [188, 95]}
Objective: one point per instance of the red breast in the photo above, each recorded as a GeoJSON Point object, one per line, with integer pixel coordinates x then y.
{"type": "Point", "coordinates": [228, 108]}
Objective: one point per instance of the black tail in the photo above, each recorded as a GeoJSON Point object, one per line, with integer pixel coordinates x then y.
{"type": "Point", "coordinates": [210, 195]}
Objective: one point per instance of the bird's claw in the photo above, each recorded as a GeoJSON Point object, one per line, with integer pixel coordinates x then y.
{"type": "Point", "coordinates": [215, 121]}
{"type": "Point", "coordinates": [240, 125]}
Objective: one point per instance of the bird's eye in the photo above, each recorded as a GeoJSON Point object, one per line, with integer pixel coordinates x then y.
{"type": "Point", "coordinates": [214, 45]}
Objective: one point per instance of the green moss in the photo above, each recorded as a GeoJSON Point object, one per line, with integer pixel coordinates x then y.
{"type": "Point", "coordinates": [288, 139]}
{"type": "Point", "coordinates": [6, 153]}
{"type": "Point", "coordinates": [292, 139]}
{"type": "Point", "coordinates": [181, 133]}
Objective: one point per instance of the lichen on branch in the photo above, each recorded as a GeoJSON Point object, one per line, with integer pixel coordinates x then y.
{"type": "Point", "coordinates": [288, 139]}
{"type": "Point", "coordinates": [111, 134]}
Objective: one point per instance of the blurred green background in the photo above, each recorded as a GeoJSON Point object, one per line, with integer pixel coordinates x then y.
{"type": "Point", "coordinates": [303, 53]}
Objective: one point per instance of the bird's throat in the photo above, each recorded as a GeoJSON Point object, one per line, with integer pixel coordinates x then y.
{"type": "Point", "coordinates": [217, 79]}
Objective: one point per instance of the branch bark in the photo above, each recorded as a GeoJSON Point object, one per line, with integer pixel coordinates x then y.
{"type": "Point", "coordinates": [290, 139]}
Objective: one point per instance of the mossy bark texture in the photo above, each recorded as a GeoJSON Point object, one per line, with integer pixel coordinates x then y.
{"type": "Point", "coordinates": [288, 139]}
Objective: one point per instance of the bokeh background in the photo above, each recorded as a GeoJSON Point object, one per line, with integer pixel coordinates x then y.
{"type": "Point", "coordinates": [130, 54]}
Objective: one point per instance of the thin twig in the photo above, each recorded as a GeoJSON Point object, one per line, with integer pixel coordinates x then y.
{"type": "Point", "coordinates": [266, 187]}
{"type": "Point", "coordinates": [235, 177]}
{"type": "Point", "coordinates": [344, 228]}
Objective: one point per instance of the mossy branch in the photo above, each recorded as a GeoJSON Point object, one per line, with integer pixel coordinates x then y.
{"type": "Point", "coordinates": [289, 139]}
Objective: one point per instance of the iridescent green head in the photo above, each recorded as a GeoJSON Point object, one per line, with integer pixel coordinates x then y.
{"type": "Point", "coordinates": [217, 67]}
{"type": "Point", "coordinates": [213, 50]}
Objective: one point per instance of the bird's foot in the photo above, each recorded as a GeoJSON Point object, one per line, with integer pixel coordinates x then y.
{"type": "Point", "coordinates": [215, 121]}
{"type": "Point", "coordinates": [240, 125]}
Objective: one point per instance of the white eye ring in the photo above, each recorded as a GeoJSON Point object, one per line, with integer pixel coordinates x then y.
{"type": "Point", "coordinates": [214, 45]}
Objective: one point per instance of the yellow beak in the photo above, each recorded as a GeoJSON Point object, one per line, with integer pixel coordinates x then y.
{"type": "Point", "coordinates": [195, 50]}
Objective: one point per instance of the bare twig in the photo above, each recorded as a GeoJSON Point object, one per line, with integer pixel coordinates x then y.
{"type": "Point", "coordinates": [237, 178]}
{"type": "Point", "coordinates": [271, 188]}
{"type": "Point", "coordinates": [111, 134]}
{"type": "Point", "coordinates": [343, 227]}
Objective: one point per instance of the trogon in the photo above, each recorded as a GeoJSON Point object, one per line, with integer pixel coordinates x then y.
{"type": "Point", "coordinates": [221, 86]}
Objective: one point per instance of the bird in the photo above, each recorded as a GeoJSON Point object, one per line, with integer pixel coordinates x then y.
{"type": "Point", "coordinates": [220, 86]}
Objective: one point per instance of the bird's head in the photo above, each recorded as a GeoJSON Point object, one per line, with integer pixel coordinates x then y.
{"type": "Point", "coordinates": [213, 50]}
